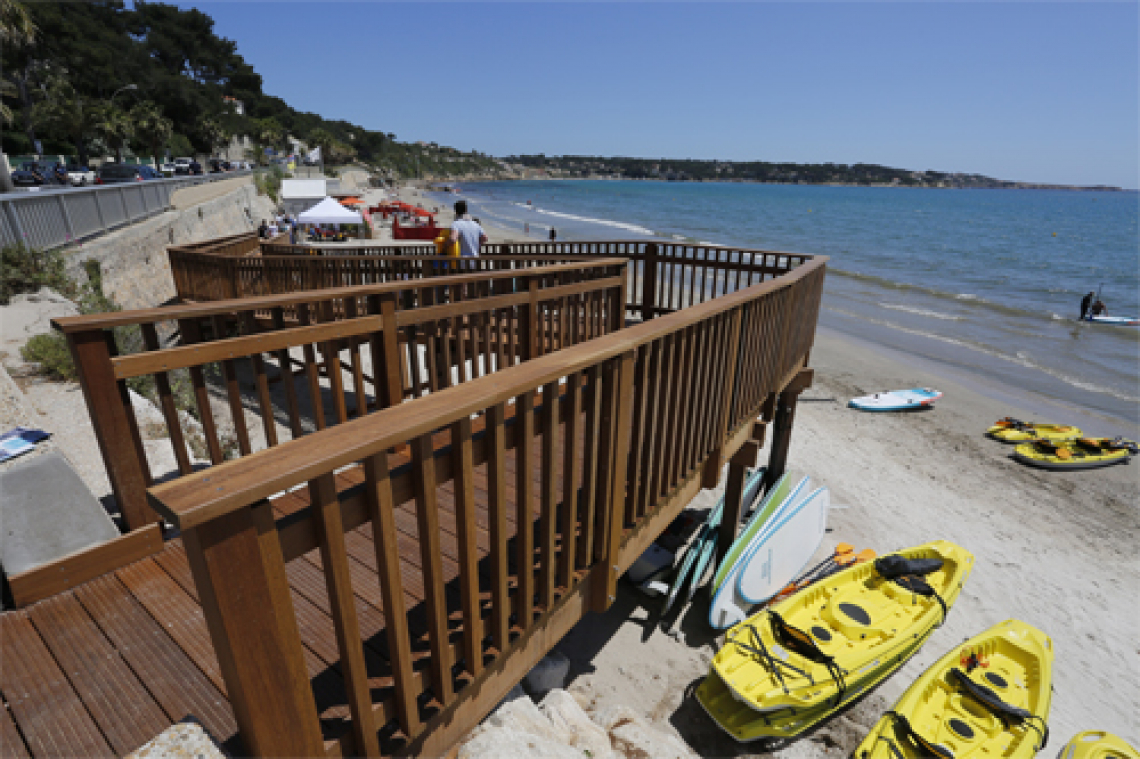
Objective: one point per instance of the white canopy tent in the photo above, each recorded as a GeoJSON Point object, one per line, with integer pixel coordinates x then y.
{"type": "Point", "coordinates": [328, 211]}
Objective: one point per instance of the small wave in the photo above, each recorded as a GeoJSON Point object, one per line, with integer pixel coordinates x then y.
{"type": "Point", "coordinates": [589, 220]}
{"type": "Point", "coordinates": [921, 312]}
{"type": "Point", "coordinates": [967, 296]}
{"type": "Point", "coordinates": [1021, 358]}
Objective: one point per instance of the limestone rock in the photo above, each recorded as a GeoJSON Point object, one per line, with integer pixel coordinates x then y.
{"type": "Point", "coordinates": [186, 740]}
{"type": "Point", "coordinates": [505, 743]}
{"type": "Point", "coordinates": [523, 716]}
{"type": "Point", "coordinates": [633, 737]}
{"type": "Point", "coordinates": [565, 713]}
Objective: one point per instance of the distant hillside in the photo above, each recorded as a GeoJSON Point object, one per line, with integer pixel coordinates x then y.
{"type": "Point", "coordinates": [690, 170]}
{"type": "Point", "coordinates": [99, 77]}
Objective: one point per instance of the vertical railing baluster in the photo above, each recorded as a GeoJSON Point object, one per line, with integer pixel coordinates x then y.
{"type": "Point", "coordinates": [431, 564]}
{"type": "Point", "coordinates": [342, 604]}
{"type": "Point", "coordinates": [549, 499]}
{"type": "Point", "coordinates": [463, 468]}
{"type": "Point", "coordinates": [524, 515]}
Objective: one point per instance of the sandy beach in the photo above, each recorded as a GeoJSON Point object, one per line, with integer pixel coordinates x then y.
{"type": "Point", "coordinates": [1056, 550]}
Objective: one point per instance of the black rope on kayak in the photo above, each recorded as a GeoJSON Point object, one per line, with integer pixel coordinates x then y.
{"type": "Point", "coordinates": [773, 664]}
{"type": "Point", "coordinates": [925, 747]}
{"type": "Point", "coordinates": [1007, 713]}
{"type": "Point", "coordinates": [803, 644]}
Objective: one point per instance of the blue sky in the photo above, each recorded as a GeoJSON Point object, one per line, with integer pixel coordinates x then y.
{"type": "Point", "coordinates": [1033, 91]}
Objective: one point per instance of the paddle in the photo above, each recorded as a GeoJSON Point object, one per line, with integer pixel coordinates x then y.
{"type": "Point", "coordinates": [840, 550]}
{"type": "Point", "coordinates": [839, 563]}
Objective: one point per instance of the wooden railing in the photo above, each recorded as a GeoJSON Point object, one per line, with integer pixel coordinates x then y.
{"type": "Point", "coordinates": [356, 349]}
{"type": "Point", "coordinates": [663, 277]}
{"type": "Point", "coordinates": [607, 440]}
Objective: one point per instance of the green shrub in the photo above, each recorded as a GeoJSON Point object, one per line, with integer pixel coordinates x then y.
{"type": "Point", "coordinates": [26, 270]}
{"type": "Point", "coordinates": [50, 351]}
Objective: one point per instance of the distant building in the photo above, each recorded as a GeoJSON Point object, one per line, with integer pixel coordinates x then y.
{"type": "Point", "coordinates": [298, 195]}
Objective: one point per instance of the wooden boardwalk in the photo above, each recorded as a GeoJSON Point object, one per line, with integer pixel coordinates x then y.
{"type": "Point", "coordinates": [103, 668]}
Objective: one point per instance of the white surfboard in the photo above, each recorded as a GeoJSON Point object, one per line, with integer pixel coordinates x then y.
{"type": "Point", "coordinates": [897, 400]}
{"type": "Point", "coordinates": [1118, 321]}
{"type": "Point", "coordinates": [768, 506]}
{"type": "Point", "coordinates": [727, 607]}
{"type": "Point", "coordinates": [776, 559]}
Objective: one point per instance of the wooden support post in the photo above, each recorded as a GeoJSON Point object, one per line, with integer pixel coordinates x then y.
{"type": "Point", "coordinates": [783, 419]}
{"type": "Point", "coordinates": [240, 575]}
{"type": "Point", "coordinates": [617, 419]}
{"type": "Point", "coordinates": [734, 495]}
{"type": "Point", "coordinates": [649, 282]}
{"type": "Point", "coordinates": [113, 429]}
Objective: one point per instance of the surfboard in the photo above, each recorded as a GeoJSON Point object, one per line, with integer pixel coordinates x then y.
{"type": "Point", "coordinates": [705, 540]}
{"type": "Point", "coordinates": [897, 400]}
{"type": "Point", "coordinates": [708, 550]}
{"type": "Point", "coordinates": [727, 607]}
{"type": "Point", "coordinates": [774, 560]}
{"type": "Point", "coordinates": [772, 500]}
{"type": "Point", "coordinates": [1116, 321]}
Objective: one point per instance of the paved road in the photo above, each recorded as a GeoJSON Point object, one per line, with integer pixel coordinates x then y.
{"type": "Point", "coordinates": [192, 196]}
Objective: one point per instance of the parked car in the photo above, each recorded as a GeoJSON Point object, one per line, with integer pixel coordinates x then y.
{"type": "Point", "coordinates": [195, 168]}
{"type": "Point", "coordinates": [30, 174]}
{"type": "Point", "coordinates": [117, 173]}
{"type": "Point", "coordinates": [80, 176]}
{"type": "Point", "coordinates": [168, 169]}
{"type": "Point", "coordinates": [182, 165]}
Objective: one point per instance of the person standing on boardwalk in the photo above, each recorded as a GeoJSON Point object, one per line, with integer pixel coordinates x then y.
{"type": "Point", "coordinates": [1086, 304]}
{"type": "Point", "coordinates": [553, 234]}
{"type": "Point", "coordinates": [467, 232]}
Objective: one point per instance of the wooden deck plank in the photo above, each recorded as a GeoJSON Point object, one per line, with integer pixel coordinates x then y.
{"type": "Point", "coordinates": [50, 714]}
{"type": "Point", "coordinates": [11, 744]}
{"type": "Point", "coordinates": [180, 688]}
{"type": "Point", "coordinates": [125, 711]}
{"type": "Point", "coordinates": [177, 612]}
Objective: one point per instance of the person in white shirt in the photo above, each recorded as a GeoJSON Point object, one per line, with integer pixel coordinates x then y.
{"type": "Point", "coordinates": [467, 232]}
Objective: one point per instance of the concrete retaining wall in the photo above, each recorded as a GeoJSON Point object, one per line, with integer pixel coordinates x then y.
{"type": "Point", "coordinates": [136, 271]}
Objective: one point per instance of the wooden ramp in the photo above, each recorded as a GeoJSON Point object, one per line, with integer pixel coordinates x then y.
{"type": "Point", "coordinates": [101, 669]}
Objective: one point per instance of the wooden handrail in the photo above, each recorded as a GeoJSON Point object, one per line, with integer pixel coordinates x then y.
{"type": "Point", "coordinates": [465, 323]}
{"type": "Point", "coordinates": [68, 324]}
{"type": "Point", "coordinates": [200, 497]}
{"type": "Point", "coordinates": [639, 414]}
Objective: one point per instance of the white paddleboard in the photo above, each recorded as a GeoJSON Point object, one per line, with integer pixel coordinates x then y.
{"type": "Point", "coordinates": [897, 400]}
{"type": "Point", "coordinates": [772, 500]}
{"type": "Point", "coordinates": [775, 560]}
{"type": "Point", "coordinates": [1118, 321]}
{"type": "Point", "coordinates": [727, 607]}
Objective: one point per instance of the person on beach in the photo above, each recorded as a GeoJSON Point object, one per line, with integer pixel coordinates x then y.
{"type": "Point", "coordinates": [1086, 304]}
{"type": "Point", "coordinates": [263, 230]}
{"type": "Point", "coordinates": [553, 234]}
{"type": "Point", "coordinates": [1099, 309]}
{"type": "Point", "coordinates": [467, 232]}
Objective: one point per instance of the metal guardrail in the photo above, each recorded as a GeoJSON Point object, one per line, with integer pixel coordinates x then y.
{"type": "Point", "coordinates": [50, 218]}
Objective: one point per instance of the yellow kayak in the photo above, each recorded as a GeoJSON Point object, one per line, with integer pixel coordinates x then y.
{"type": "Point", "coordinates": [1010, 430]}
{"type": "Point", "coordinates": [1084, 453]}
{"type": "Point", "coordinates": [1094, 744]}
{"type": "Point", "coordinates": [987, 697]}
{"type": "Point", "coordinates": [745, 724]}
{"type": "Point", "coordinates": [807, 650]}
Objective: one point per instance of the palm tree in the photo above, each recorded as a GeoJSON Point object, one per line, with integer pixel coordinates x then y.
{"type": "Point", "coordinates": [67, 112]}
{"type": "Point", "coordinates": [114, 125]}
{"type": "Point", "coordinates": [16, 26]}
{"type": "Point", "coordinates": [209, 133]}
{"type": "Point", "coordinates": [152, 129]}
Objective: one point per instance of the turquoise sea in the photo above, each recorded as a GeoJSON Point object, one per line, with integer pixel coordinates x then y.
{"type": "Point", "coordinates": [987, 281]}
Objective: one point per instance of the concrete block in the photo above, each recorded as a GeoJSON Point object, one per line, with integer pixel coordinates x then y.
{"type": "Point", "coordinates": [46, 512]}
